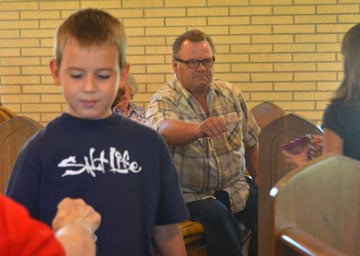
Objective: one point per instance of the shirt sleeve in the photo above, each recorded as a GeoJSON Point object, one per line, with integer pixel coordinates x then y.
{"type": "Point", "coordinates": [331, 121]}
{"type": "Point", "coordinates": [22, 235]}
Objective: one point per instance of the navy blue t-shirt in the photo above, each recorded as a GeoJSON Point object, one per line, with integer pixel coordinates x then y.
{"type": "Point", "coordinates": [344, 120]}
{"type": "Point", "coordinates": [121, 168]}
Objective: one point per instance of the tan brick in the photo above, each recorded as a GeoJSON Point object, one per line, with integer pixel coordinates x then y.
{"type": "Point", "coordinates": [256, 87]}
{"type": "Point", "coordinates": [9, 71]}
{"type": "Point", "coordinates": [314, 76]}
{"type": "Point", "coordinates": [338, 8]}
{"type": "Point", "coordinates": [252, 67]}
{"type": "Point", "coordinates": [271, 39]}
{"type": "Point", "coordinates": [314, 57]}
{"type": "Point", "coordinates": [315, 19]}
{"type": "Point", "coordinates": [18, 5]}
{"type": "Point", "coordinates": [142, 3]}
{"type": "Point", "coordinates": [231, 38]}
{"type": "Point", "coordinates": [19, 61]}
{"type": "Point", "coordinates": [49, 89]}
{"type": "Point", "coordinates": [312, 95]}
{"type": "Point", "coordinates": [294, 9]}
{"type": "Point", "coordinates": [232, 77]}
{"type": "Point", "coordinates": [165, 12]}
{"type": "Point", "coordinates": [348, 18]}
{"type": "Point", "coordinates": [251, 10]}
{"type": "Point", "coordinates": [294, 29]}
{"type": "Point", "coordinates": [269, 96]}
{"type": "Point", "coordinates": [294, 86]}
{"type": "Point", "coordinates": [312, 38]}
{"type": "Point", "coordinates": [314, 2]}
{"type": "Point", "coordinates": [35, 15]}
{"type": "Point", "coordinates": [35, 70]}
{"type": "Point", "coordinates": [233, 58]}
{"type": "Point", "coordinates": [333, 28]}
{"type": "Point", "coordinates": [23, 98]}
{"type": "Point", "coordinates": [294, 48]}
{"type": "Point", "coordinates": [191, 21]}
{"type": "Point", "coordinates": [10, 89]}
{"type": "Point", "coordinates": [328, 86]}
{"type": "Point", "coordinates": [183, 3]}
{"type": "Point", "coordinates": [305, 66]}
{"type": "Point", "coordinates": [270, 57]}
{"type": "Point", "coordinates": [329, 67]}
{"type": "Point", "coordinates": [296, 105]}
{"type": "Point", "coordinates": [145, 41]}
{"type": "Point", "coordinates": [251, 48]}
{"type": "Point", "coordinates": [251, 29]}
{"type": "Point", "coordinates": [8, 15]}
{"type": "Point", "coordinates": [13, 33]}
{"type": "Point", "coordinates": [60, 5]}
{"type": "Point", "coordinates": [52, 98]}
{"type": "Point", "coordinates": [122, 14]}
{"type": "Point", "coordinates": [328, 47]}
{"type": "Point", "coordinates": [36, 52]}
{"type": "Point", "coordinates": [280, 19]}
{"type": "Point", "coordinates": [19, 43]}
{"type": "Point", "coordinates": [228, 20]}
{"type": "Point", "coordinates": [18, 24]}
{"type": "Point", "coordinates": [108, 4]}
{"type": "Point", "coordinates": [43, 107]}
{"type": "Point", "coordinates": [37, 33]}
{"type": "Point", "coordinates": [144, 22]}
{"type": "Point", "coordinates": [209, 11]}
{"type": "Point", "coordinates": [9, 52]}
{"type": "Point", "coordinates": [165, 31]}
{"type": "Point", "coordinates": [20, 80]}
{"type": "Point", "coordinates": [278, 76]}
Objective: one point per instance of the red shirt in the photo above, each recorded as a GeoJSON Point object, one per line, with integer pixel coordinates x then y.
{"type": "Point", "coordinates": [22, 235]}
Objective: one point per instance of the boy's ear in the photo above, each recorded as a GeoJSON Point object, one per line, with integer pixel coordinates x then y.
{"type": "Point", "coordinates": [54, 71]}
{"type": "Point", "coordinates": [124, 74]}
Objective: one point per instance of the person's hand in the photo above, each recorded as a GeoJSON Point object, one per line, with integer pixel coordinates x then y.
{"type": "Point", "coordinates": [316, 146]}
{"type": "Point", "coordinates": [298, 159]}
{"type": "Point", "coordinates": [76, 211]}
{"type": "Point", "coordinates": [213, 127]}
{"type": "Point", "coordinates": [305, 152]}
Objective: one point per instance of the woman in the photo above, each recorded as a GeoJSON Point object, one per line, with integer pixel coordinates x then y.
{"type": "Point", "coordinates": [341, 121]}
{"type": "Point", "coordinates": [122, 104]}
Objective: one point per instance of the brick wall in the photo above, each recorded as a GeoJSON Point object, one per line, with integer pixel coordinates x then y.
{"type": "Point", "coordinates": [284, 51]}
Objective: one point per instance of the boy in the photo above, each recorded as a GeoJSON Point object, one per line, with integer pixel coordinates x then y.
{"type": "Point", "coordinates": [121, 168]}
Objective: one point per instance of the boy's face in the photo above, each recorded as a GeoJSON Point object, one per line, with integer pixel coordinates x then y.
{"type": "Point", "coordinates": [89, 77]}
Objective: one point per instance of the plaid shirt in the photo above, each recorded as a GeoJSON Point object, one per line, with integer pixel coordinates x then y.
{"type": "Point", "coordinates": [209, 164]}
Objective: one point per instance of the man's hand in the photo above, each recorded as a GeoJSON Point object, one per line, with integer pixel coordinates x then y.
{"type": "Point", "coordinates": [213, 127]}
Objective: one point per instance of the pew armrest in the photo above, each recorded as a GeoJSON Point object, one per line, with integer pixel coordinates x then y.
{"type": "Point", "coordinates": [304, 243]}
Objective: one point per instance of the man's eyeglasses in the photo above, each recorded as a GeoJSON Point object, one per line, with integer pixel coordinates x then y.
{"type": "Point", "coordinates": [207, 63]}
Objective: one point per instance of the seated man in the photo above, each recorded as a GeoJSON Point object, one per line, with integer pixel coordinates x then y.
{"type": "Point", "coordinates": [213, 138]}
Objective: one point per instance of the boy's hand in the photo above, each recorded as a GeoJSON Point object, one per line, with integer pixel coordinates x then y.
{"type": "Point", "coordinates": [76, 211]}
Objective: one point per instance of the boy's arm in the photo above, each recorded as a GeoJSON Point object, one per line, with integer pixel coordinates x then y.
{"type": "Point", "coordinates": [168, 240]}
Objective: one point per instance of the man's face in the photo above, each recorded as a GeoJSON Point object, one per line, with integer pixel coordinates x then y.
{"type": "Point", "coordinates": [195, 80]}
{"type": "Point", "coordinates": [89, 77]}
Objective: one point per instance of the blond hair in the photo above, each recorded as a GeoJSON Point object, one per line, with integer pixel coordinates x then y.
{"type": "Point", "coordinates": [89, 27]}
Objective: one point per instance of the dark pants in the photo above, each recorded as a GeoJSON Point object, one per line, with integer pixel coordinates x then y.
{"type": "Point", "coordinates": [222, 231]}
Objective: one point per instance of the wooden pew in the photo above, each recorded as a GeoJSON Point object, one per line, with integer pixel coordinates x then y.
{"type": "Point", "coordinates": [315, 209]}
{"type": "Point", "coordinates": [13, 135]}
{"type": "Point", "coordinates": [272, 165]}
{"type": "Point", "coordinates": [266, 112]}
{"type": "Point", "coordinates": [5, 114]}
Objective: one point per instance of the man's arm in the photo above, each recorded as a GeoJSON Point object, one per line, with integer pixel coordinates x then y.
{"type": "Point", "coordinates": [169, 240]}
{"type": "Point", "coordinates": [178, 132]}
{"type": "Point", "coordinates": [252, 161]}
